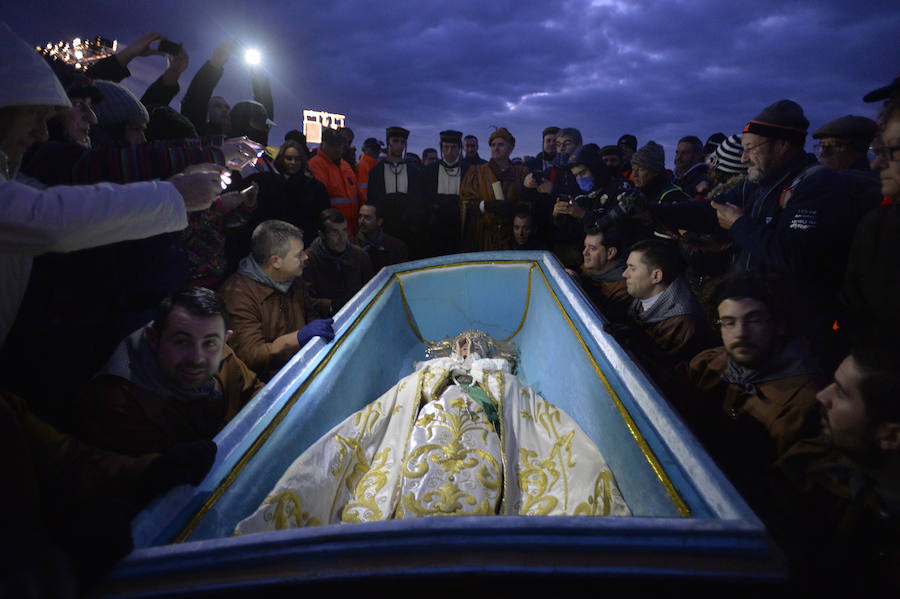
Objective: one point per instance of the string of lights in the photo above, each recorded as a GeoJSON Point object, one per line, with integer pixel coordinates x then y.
{"type": "Point", "coordinates": [80, 52]}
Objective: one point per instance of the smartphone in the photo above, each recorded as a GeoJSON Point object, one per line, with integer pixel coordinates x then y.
{"type": "Point", "coordinates": [169, 47]}
{"type": "Point", "coordinates": [564, 198]}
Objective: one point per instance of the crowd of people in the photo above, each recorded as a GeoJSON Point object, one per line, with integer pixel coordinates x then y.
{"type": "Point", "coordinates": [159, 267]}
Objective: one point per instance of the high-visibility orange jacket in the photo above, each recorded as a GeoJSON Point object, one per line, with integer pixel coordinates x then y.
{"type": "Point", "coordinates": [363, 167]}
{"type": "Point", "coordinates": [341, 184]}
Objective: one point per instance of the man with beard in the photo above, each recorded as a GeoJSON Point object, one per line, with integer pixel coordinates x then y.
{"type": "Point", "coordinates": [442, 180]}
{"type": "Point", "coordinates": [836, 511]}
{"type": "Point", "coordinates": [488, 195]}
{"type": "Point", "coordinates": [540, 183]}
{"type": "Point", "coordinates": [396, 186]}
{"type": "Point", "coordinates": [750, 399]}
{"type": "Point", "coordinates": [173, 381]}
{"type": "Point", "coordinates": [337, 269]}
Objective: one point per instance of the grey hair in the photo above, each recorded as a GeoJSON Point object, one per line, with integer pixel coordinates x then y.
{"type": "Point", "coordinates": [273, 238]}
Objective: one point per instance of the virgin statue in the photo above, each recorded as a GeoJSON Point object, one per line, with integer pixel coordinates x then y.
{"type": "Point", "coordinates": [462, 435]}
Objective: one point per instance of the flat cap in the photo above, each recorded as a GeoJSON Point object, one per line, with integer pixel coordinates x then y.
{"type": "Point", "coordinates": [883, 93]}
{"type": "Point", "coordinates": [451, 136]}
{"type": "Point", "coordinates": [855, 127]}
{"type": "Point", "coordinates": [396, 132]}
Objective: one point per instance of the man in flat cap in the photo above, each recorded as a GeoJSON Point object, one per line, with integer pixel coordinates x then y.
{"type": "Point", "coordinates": [791, 216]}
{"type": "Point", "coordinates": [488, 195]}
{"type": "Point", "coordinates": [396, 186]}
{"type": "Point", "coordinates": [843, 143]}
{"type": "Point", "coordinates": [843, 146]}
{"type": "Point", "coordinates": [442, 180]}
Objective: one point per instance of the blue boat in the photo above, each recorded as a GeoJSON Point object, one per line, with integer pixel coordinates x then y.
{"type": "Point", "coordinates": [688, 523]}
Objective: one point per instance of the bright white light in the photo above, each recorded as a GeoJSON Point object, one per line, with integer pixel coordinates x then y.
{"type": "Point", "coordinates": [76, 41]}
{"type": "Point", "coordinates": [79, 54]}
{"type": "Point", "coordinates": [252, 56]}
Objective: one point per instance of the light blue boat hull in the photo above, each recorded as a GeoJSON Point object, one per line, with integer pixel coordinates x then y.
{"type": "Point", "coordinates": [688, 522]}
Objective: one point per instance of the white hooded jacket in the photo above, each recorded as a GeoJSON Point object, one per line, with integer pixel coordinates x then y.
{"type": "Point", "coordinates": [34, 221]}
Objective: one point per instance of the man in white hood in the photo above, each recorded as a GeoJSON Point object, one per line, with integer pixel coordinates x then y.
{"type": "Point", "coordinates": [34, 221]}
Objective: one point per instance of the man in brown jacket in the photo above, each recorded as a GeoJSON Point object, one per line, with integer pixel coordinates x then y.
{"type": "Point", "coordinates": [754, 396]}
{"type": "Point", "coordinates": [174, 381]}
{"type": "Point", "coordinates": [601, 273]}
{"type": "Point", "coordinates": [268, 306]}
{"type": "Point", "coordinates": [488, 195]}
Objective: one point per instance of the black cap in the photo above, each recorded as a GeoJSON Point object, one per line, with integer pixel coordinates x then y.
{"type": "Point", "coordinates": [451, 136]}
{"type": "Point", "coordinates": [396, 132]}
{"type": "Point", "coordinates": [883, 93]}
{"type": "Point", "coordinates": [331, 136]}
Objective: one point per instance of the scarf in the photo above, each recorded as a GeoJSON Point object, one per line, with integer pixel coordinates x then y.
{"type": "Point", "coordinates": [610, 276]}
{"type": "Point", "coordinates": [676, 300]}
{"type": "Point", "coordinates": [794, 359]}
{"type": "Point", "coordinates": [321, 252]}
{"type": "Point", "coordinates": [369, 245]}
{"type": "Point", "coordinates": [134, 361]}
{"type": "Point", "coordinates": [250, 269]}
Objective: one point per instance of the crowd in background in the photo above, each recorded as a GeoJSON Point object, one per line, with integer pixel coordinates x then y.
{"type": "Point", "coordinates": [159, 265]}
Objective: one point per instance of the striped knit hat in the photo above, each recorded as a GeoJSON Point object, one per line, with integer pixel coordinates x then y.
{"type": "Point", "coordinates": [727, 157]}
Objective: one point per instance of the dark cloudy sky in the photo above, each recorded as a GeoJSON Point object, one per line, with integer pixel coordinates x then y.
{"type": "Point", "coordinates": [658, 69]}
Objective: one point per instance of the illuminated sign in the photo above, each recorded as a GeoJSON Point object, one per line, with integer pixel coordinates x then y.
{"type": "Point", "coordinates": [315, 120]}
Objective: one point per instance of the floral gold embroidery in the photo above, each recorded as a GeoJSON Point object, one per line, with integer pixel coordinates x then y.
{"type": "Point", "coordinates": [287, 512]}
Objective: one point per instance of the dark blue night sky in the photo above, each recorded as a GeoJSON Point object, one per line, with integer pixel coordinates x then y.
{"type": "Point", "coordinates": [658, 69]}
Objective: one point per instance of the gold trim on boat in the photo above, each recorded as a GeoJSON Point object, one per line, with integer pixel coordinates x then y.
{"type": "Point", "coordinates": [223, 486]}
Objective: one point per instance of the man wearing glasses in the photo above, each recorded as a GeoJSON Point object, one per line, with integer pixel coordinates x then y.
{"type": "Point", "coordinates": [872, 282]}
{"type": "Point", "coordinates": [750, 399]}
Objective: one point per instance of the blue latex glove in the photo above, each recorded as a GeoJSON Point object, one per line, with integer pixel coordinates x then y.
{"type": "Point", "coordinates": [317, 328]}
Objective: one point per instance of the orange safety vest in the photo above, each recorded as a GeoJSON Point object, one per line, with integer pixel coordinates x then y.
{"type": "Point", "coordinates": [363, 167]}
{"type": "Point", "coordinates": [341, 185]}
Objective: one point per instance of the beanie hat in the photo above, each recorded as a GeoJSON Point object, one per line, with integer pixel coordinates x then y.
{"type": "Point", "coordinates": [651, 157]}
{"type": "Point", "coordinates": [503, 133]}
{"type": "Point", "coordinates": [713, 142]}
{"type": "Point", "coordinates": [611, 151]}
{"type": "Point", "coordinates": [727, 156]}
{"type": "Point", "coordinates": [27, 78]}
{"type": "Point", "coordinates": [168, 123]}
{"type": "Point", "coordinates": [119, 105]}
{"type": "Point", "coordinates": [782, 120]}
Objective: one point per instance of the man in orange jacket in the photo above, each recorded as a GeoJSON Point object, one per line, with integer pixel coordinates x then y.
{"type": "Point", "coordinates": [337, 176]}
{"type": "Point", "coordinates": [371, 150]}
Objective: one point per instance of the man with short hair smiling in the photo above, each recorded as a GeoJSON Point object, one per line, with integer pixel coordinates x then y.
{"type": "Point", "coordinates": [337, 269]}
{"type": "Point", "coordinates": [270, 310]}
{"type": "Point", "coordinates": [173, 381]}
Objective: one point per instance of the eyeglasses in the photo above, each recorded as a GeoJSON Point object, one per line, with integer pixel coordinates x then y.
{"type": "Point", "coordinates": [751, 321]}
{"type": "Point", "coordinates": [824, 149]}
{"type": "Point", "coordinates": [885, 153]}
{"type": "Point", "coordinates": [760, 144]}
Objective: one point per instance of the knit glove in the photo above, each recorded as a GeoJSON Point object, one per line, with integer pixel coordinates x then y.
{"type": "Point", "coordinates": [320, 327]}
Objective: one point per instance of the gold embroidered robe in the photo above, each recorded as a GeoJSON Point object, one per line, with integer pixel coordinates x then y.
{"type": "Point", "coordinates": [425, 448]}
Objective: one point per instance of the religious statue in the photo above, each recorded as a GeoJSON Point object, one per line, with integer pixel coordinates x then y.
{"type": "Point", "coordinates": [462, 435]}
